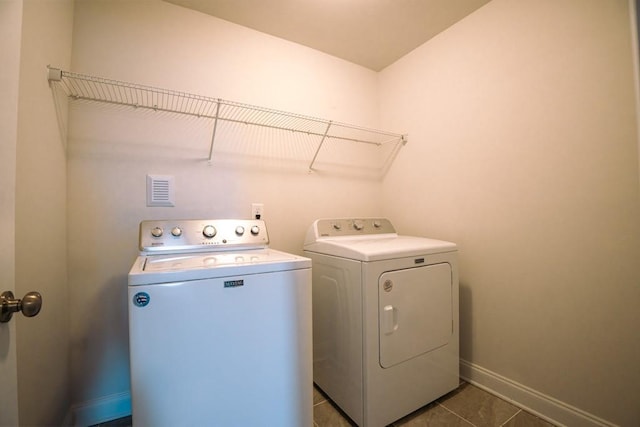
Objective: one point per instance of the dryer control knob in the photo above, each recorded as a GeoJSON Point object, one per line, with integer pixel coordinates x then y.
{"type": "Point", "coordinates": [239, 230]}
{"type": "Point", "coordinates": [358, 225]}
{"type": "Point", "coordinates": [176, 231]}
{"type": "Point", "coordinates": [209, 231]}
{"type": "Point", "coordinates": [255, 230]}
{"type": "Point", "coordinates": [156, 232]}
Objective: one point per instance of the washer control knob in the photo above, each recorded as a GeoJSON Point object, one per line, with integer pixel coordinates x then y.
{"type": "Point", "coordinates": [209, 231]}
{"type": "Point", "coordinates": [377, 224]}
{"type": "Point", "coordinates": [176, 231]}
{"type": "Point", "coordinates": [255, 230]}
{"type": "Point", "coordinates": [358, 225]}
{"type": "Point", "coordinates": [156, 232]}
{"type": "Point", "coordinates": [239, 230]}
{"type": "Point", "coordinates": [337, 226]}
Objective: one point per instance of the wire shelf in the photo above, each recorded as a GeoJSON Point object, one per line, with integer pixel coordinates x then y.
{"type": "Point", "coordinates": [91, 88]}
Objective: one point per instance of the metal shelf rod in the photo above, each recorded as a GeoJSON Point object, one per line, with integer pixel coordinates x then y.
{"type": "Point", "coordinates": [319, 147]}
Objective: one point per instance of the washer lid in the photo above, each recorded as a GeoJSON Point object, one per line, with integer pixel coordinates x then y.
{"type": "Point", "coordinates": [153, 269]}
{"type": "Point", "coordinates": [376, 248]}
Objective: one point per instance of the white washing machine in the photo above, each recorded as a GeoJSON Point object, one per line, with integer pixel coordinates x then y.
{"type": "Point", "coordinates": [219, 327]}
{"type": "Point", "coordinates": [385, 318]}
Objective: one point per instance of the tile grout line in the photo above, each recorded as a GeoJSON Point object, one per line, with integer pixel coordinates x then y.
{"type": "Point", "coordinates": [322, 403]}
{"type": "Point", "coordinates": [319, 403]}
{"type": "Point", "coordinates": [459, 416]}
{"type": "Point", "coordinates": [511, 417]}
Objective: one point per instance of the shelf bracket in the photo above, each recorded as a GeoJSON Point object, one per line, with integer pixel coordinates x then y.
{"type": "Point", "coordinates": [215, 127]}
{"type": "Point", "coordinates": [53, 74]}
{"type": "Point", "coordinates": [324, 137]}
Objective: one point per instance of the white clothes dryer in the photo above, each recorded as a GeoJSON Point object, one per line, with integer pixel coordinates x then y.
{"type": "Point", "coordinates": [385, 318]}
{"type": "Point", "coordinates": [219, 327]}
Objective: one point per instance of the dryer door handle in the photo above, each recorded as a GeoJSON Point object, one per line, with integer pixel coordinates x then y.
{"type": "Point", "coordinates": [389, 319]}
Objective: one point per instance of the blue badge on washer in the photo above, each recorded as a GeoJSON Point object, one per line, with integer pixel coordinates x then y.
{"type": "Point", "coordinates": [141, 299]}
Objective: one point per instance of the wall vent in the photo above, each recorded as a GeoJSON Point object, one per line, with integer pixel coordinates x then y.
{"type": "Point", "coordinates": [160, 190]}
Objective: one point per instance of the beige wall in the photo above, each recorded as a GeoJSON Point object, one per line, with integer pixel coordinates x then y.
{"type": "Point", "coordinates": [523, 150]}
{"type": "Point", "coordinates": [10, 31]}
{"type": "Point", "coordinates": [41, 249]}
{"type": "Point", "coordinates": [111, 150]}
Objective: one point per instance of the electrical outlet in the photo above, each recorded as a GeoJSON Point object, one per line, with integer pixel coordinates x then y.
{"type": "Point", "coordinates": [257, 211]}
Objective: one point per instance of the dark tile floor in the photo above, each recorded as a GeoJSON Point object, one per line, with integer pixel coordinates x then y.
{"type": "Point", "coordinates": [467, 406]}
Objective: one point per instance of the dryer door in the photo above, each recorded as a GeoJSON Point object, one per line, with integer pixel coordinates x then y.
{"type": "Point", "coordinates": [415, 312]}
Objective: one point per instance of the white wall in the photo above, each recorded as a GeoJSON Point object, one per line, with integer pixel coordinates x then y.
{"type": "Point", "coordinates": [111, 150]}
{"type": "Point", "coordinates": [523, 150]}
{"type": "Point", "coordinates": [41, 250]}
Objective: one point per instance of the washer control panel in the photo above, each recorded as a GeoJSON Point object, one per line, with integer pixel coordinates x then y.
{"type": "Point", "coordinates": [352, 227]}
{"type": "Point", "coordinates": [202, 235]}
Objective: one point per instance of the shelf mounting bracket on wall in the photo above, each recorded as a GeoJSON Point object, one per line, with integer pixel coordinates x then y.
{"type": "Point", "coordinates": [213, 133]}
{"type": "Point", "coordinates": [315, 156]}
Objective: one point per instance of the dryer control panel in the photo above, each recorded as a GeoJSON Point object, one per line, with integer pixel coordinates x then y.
{"type": "Point", "coordinates": [352, 227]}
{"type": "Point", "coordinates": [168, 236]}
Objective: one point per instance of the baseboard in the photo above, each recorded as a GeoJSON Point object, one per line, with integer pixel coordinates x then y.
{"type": "Point", "coordinates": [539, 404]}
{"type": "Point", "coordinates": [101, 410]}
